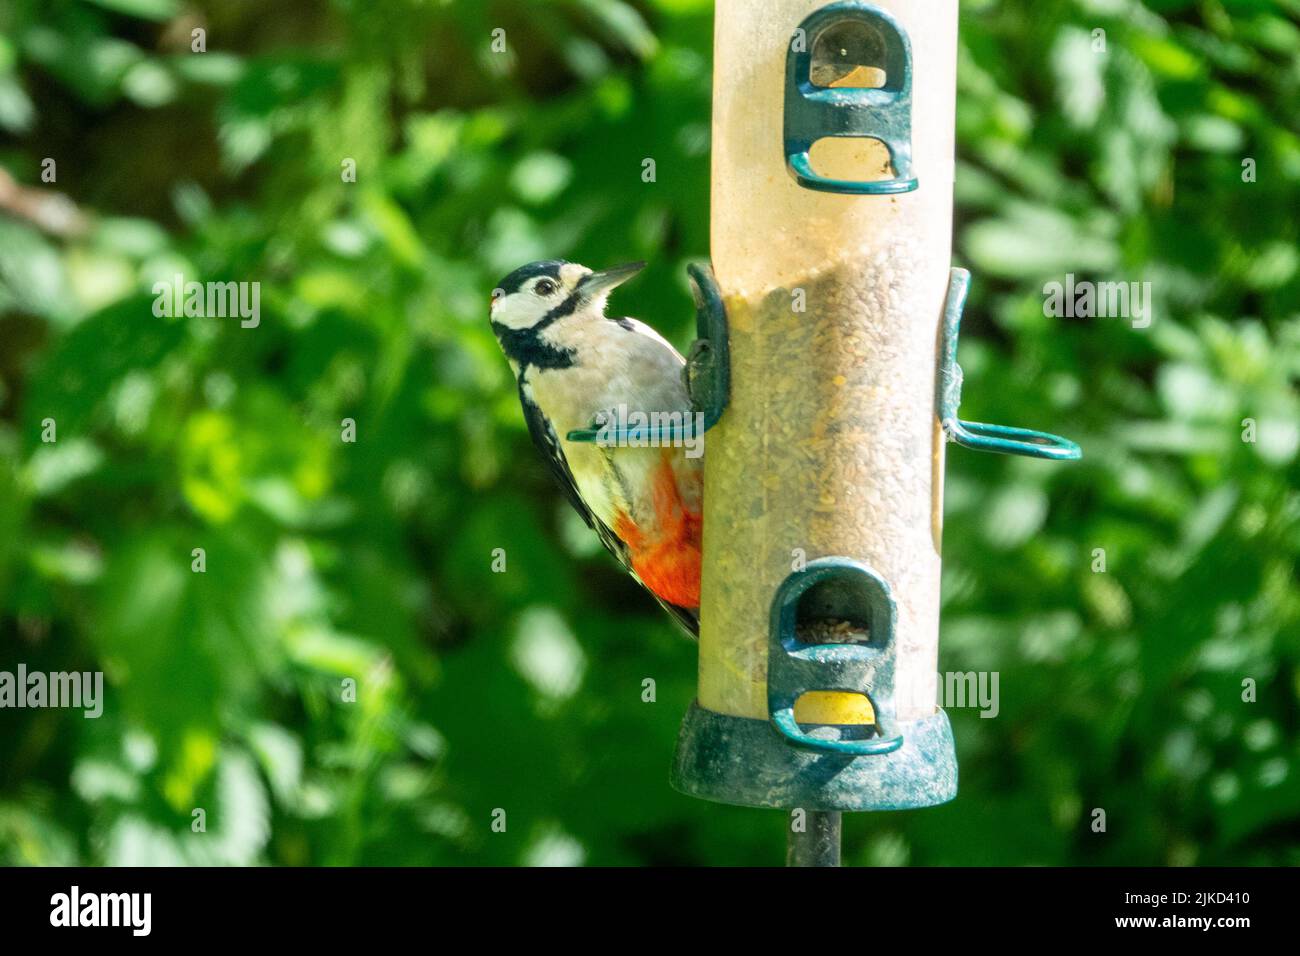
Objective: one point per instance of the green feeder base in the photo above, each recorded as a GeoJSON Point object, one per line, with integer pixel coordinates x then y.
{"type": "Point", "coordinates": [746, 762]}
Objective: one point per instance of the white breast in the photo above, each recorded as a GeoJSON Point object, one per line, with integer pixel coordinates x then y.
{"type": "Point", "coordinates": [634, 367]}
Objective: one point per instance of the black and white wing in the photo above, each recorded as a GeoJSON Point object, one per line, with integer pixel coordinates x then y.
{"type": "Point", "coordinates": [548, 443]}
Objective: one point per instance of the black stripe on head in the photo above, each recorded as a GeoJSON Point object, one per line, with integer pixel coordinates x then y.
{"type": "Point", "coordinates": [515, 281]}
{"type": "Point", "coordinates": [567, 307]}
{"type": "Point", "coordinates": [529, 349]}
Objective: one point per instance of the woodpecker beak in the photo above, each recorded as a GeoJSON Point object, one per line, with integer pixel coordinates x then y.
{"type": "Point", "coordinates": [598, 283]}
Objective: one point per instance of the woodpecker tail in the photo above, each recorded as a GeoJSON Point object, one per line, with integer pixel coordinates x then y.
{"type": "Point", "coordinates": [687, 618]}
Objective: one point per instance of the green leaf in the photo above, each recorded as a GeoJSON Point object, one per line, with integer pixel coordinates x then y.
{"type": "Point", "coordinates": [144, 9]}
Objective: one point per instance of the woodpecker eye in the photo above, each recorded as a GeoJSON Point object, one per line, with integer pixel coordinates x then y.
{"type": "Point", "coordinates": [545, 287]}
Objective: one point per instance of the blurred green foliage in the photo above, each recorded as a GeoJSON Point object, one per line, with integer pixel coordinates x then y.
{"type": "Point", "coordinates": [372, 561]}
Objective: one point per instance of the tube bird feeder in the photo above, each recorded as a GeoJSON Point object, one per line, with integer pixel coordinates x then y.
{"type": "Point", "coordinates": [833, 162]}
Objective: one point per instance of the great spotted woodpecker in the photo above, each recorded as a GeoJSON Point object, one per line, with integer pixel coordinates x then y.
{"type": "Point", "coordinates": [574, 364]}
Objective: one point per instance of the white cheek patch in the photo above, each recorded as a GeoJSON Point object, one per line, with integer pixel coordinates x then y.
{"type": "Point", "coordinates": [518, 311]}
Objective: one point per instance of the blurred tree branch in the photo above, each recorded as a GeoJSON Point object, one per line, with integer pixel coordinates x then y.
{"type": "Point", "coordinates": [50, 211]}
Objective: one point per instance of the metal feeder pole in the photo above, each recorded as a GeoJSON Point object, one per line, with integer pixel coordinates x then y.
{"type": "Point", "coordinates": [819, 845]}
{"type": "Point", "coordinates": [830, 372]}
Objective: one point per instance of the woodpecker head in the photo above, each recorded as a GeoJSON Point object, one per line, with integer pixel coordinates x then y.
{"type": "Point", "coordinates": [541, 293]}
